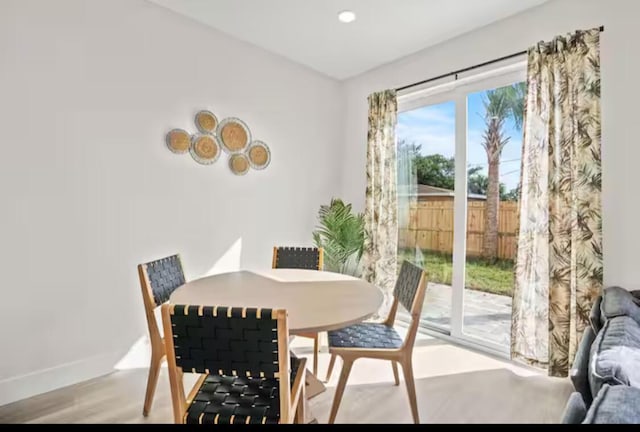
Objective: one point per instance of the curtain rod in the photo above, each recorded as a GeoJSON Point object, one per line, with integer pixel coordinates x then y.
{"type": "Point", "coordinates": [467, 69]}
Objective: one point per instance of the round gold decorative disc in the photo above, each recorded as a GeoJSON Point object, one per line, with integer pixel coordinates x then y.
{"type": "Point", "coordinates": [178, 141]}
{"type": "Point", "coordinates": [206, 121]}
{"type": "Point", "coordinates": [239, 164]}
{"type": "Point", "coordinates": [234, 137]}
{"type": "Point", "coordinates": [205, 149]}
{"type": "Point", "coordinates": [258, 155]}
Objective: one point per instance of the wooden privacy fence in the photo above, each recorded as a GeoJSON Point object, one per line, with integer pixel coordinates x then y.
{"type": "Point", "coordinates": [430, 227]}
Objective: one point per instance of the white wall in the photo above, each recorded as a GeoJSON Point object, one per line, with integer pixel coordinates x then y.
{"type": "Point", "coordinates": [88, 190]}
{"type": "Point", "coordinates": [620, 96]}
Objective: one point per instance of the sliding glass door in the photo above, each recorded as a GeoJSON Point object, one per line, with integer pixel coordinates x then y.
{"type": "Point", "coordinates": [459, 149]}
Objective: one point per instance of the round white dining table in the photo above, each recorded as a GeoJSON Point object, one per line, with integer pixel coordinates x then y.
{"type": "Point", "coordinates": [315, 301]}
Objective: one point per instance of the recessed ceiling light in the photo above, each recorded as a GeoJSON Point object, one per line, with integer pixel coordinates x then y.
{"type": "Point", "coordinates": [347, 16]}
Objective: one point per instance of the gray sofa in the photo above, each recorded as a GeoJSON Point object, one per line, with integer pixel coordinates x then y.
{"type": "Point", "coordinates": [606, 369]}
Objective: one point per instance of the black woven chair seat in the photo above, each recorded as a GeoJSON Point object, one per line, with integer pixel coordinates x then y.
{"type": "Point", "coordinates": [237, 400]}
{"type": "Point", "coordinates": [365, 335]}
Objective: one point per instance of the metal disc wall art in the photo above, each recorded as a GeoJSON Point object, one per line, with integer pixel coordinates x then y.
{"type": "Point", "coordinates": [259, 155]}
{"type": "Point", "coordinates": [231, 135]}
{"type": "Point", "coordinates": [239, 164]}
{"type": "Point", "coordinates": [178, 141]}
{"type": "Point", "coordinates": [206, 122]}
{"type": "Point", "coordinates": [234, 135]}
{"type": "Point", "coordinates": [205, 149]}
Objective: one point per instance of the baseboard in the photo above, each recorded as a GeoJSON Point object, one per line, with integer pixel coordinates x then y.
{"type": "Point", "coordinates": [34, 383]}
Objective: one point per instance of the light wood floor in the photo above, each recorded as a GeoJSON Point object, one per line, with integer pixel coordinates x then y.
{"type": "Point", "coordinates": [454, 385]}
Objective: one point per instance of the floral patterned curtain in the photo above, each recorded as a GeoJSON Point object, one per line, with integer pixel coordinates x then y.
{"type": "Point", "coordinates": [559, 261]}
{"type": "Point", "coordinates": [380, 214]}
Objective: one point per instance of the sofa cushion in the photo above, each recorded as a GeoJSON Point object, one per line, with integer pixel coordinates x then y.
{"type": "Point", "coordinates": [615, 354]}
{"type": "Point", "coordinates": [575, 410]}
{"type": "Point", "coordinates": [596, 317]}
{"type": "Point", "coordinates": [618, 301]}
{"type": "Point", "coordinates": [580, 370]}
{"type": "Point", "coordinates": [615, 405]}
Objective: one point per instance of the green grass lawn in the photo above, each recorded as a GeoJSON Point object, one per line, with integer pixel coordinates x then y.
{"type": "Point", "coordinates": [495, 278]}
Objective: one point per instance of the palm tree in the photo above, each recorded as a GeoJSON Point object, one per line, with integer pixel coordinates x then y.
{"type": "Point", "coordinates": [500, 104]}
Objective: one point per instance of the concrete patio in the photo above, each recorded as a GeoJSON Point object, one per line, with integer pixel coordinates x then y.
{"type": "Point", "coordinates": [486, 316]}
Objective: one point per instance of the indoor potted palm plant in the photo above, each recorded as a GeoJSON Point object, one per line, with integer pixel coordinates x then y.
{"type": "Point", "coordinates": [340, 232]}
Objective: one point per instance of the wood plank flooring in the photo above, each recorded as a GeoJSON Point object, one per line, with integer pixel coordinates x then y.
{"type": "Point", "coordinates": [454, 385]}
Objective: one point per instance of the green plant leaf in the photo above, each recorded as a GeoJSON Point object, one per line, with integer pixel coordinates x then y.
{"type": "Point", "coordinates": [341, 234]}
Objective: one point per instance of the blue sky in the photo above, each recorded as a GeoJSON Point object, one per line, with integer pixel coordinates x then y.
{"type": "Point", "coordinates": [434, 128]}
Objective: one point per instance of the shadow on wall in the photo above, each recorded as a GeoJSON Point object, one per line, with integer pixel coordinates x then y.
{"type": "Point", "coordinates": [229, 261]}
{"type": "Point", "coordinates": [139, 354]}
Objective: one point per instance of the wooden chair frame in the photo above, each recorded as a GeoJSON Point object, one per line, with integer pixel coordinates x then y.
{"type": "Point", "coordinates": [402, 355]}
{"type": "Point", "coordinates": [157, 343]}
{"type": "Point", "coordinates": [314, 336]}
{"type": "Point", "coordinates": [292, 398]}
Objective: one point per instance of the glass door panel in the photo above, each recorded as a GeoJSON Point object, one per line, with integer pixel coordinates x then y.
{"type": "Point", "coordinates": [494, 143]}
{"type": "Point", "coordinates": [426, 187]}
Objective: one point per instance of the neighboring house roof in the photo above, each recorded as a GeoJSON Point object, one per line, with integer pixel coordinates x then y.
{"type": "Point", "coordinates": [432, 191]}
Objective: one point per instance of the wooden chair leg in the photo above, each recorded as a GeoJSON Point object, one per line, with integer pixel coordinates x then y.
{"type": "Point", "coordinates": [302, 403]}
{"type": "Point", "coordinates": [394, 365]}
{"type": "Point", "coordinates": [337, 398]}
{"type": "Point", "coordinates": [316, 351]}
{"type": "Point", "coordinates": [152, 383]}
{"type": "Point", "coordinates": [407, 368]}
{"type": "Point", "coordinates": [332, 362]}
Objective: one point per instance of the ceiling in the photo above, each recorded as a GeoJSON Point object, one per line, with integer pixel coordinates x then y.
{"type": "Point", "coordinates": [308, 31]}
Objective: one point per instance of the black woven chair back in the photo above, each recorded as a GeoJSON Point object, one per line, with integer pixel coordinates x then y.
{"type": "Point", "coordinates": [407, 284]}
{"type": "Point", "coordinates": [225, 341]}
{"type": "Point", "coordinates": [297, 258]}
{"type": "Point", "coordinates": [165, 275]}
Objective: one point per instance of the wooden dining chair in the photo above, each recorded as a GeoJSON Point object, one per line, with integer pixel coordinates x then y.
{"type": "Point", "coordinates": [158, 279]}
{"type": "Point", "coordinates": [305, 258]}
{"type": "Point", "coordinates": [243, 355]}
{"type": "Point", "coordinates": [380, 340]}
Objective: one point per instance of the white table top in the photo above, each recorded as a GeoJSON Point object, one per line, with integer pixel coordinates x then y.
{"type": "Point", "coordinates": [315, 300]}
